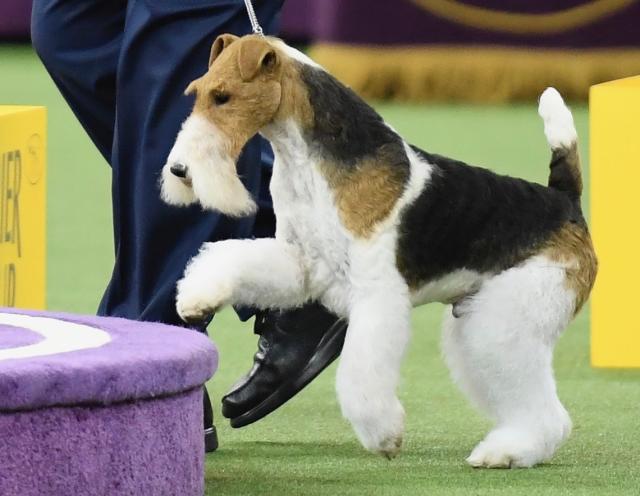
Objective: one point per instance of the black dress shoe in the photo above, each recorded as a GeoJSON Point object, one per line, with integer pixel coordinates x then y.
{"type": "Point", "coordinates": [210, 433]}
{"type": "Point", "coordinates": [294, 347]}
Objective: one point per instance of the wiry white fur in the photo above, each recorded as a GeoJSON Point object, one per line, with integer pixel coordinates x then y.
{"type": "Point", "coordinates": [356, 279]}
{"type": "Point", "coordinates": [558, 121]}
{"type": "Point", "coordinates": [499, 348]}
{"type": "Point", "coordinates": [215, 183]}
{"type": "Point", "coordinates": [261, 273]}
{"type": "Point", "coordinates": [379, 328]}
{"type": "Point", "coordinates": [500, 352]}
{"type": "Point", "coordinates": [377, 337]}
{"type": "Point", "coordinates": [307, 217]}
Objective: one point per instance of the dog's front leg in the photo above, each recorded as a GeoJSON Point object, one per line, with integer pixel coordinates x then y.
{"type": "Point", "coordinates": [259, 273]}
{"type": "Point", "coordinates": [369, 368]}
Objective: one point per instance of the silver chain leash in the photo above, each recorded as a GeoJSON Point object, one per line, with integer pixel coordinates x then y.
{"type": "Point", "coordinates": [255, 25]}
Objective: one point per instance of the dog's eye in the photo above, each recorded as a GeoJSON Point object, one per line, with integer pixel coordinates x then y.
{"type": "Point", "coordinates": [220, 97]}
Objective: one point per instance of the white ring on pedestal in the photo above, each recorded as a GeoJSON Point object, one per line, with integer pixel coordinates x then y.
{"type": "Point", "coordinates": [59, 336]}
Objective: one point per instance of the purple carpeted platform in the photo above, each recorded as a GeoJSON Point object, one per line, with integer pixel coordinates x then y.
{"type": "Point", "coordinates": [100, 406]}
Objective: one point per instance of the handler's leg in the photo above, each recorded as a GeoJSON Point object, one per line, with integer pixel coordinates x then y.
{"type": "Point", "coordinates": [149, 51]}
{"type": "Point", "coordinates": [79, 44]}
{"type": "Point", "coordinates": [166, 45]}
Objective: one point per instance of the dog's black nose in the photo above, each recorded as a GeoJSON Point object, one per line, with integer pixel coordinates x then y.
{"type": "Point", "coordinates": [179, 170]}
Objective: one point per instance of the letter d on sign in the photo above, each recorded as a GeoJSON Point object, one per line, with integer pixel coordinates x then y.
{"type": "Point", "coordinates": [23, 180]}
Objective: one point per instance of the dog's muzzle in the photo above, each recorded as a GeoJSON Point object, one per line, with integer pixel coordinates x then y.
{"type": "Point", "coordinates": [199, 169]}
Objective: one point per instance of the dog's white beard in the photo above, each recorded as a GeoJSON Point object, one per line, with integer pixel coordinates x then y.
{"type": "Point", "coordinates": [214, 180]}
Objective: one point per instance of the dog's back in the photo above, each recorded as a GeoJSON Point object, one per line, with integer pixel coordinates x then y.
{"type": "Point", "coordinates": [469, 218]}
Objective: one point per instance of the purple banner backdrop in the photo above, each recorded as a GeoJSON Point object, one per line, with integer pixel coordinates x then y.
{"type": "Point", "coordinates": [590, 23]}
{"type": "Point", "coordinates": [469, 50]}
{"type": "Point", "coordinates": [15, 16]}
{"type": "Point", "coordinates": [475, 50]}
{"type": "Point", "coordinates": [544, 23]}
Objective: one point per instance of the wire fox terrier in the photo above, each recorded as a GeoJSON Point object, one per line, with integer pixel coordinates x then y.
{"type": "Point", "coordinates": [370, 226]}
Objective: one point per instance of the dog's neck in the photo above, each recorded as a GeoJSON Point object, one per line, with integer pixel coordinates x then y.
{"type": "Point", "coordinates": [289, 144]}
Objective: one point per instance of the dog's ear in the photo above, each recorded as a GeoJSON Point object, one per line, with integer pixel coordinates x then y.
{"type": "Point", "coordinates": [255, 55]}
{"type": "Point", "coordinates": [191, 88]}
{"type": "Point", "coordinates": [222, 42]}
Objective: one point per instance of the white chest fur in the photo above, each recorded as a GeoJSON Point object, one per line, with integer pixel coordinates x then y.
{"type": "Point", "coordinates": [307, 218]}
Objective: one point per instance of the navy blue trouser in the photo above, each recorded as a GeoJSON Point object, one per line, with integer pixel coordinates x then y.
{"type": "Point", "coordinates": [122, 65]}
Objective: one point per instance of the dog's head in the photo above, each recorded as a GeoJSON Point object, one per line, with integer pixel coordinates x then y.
{"type": "Point", "coordinates": [239, 94]}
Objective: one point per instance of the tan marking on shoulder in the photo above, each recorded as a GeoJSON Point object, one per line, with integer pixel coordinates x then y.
{"type": "Point", "coordinates": [572, 245]}
{"type": "Point", "coordinates": [366, 193]}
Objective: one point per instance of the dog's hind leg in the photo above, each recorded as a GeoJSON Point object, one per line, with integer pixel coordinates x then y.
{"type": "Point", "coordinates": [259, 273]}
{"type": "Point", "coordinates": [499, 350]}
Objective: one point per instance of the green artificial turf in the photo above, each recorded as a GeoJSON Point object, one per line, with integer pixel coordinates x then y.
{"type": "Point", "coordinates": [306, 447]}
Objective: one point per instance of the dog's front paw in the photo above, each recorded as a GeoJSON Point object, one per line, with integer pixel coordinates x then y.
{"type": "Point", "coordinates": [193, 313]}
{"type": "Point", "coordinates": [390, 447]}
{"type": "Point", "coordinates": [196, 300]}
{"type": "Point", "coordinates": [381, 429]}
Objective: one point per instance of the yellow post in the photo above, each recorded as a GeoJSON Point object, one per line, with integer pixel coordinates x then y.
{"type": "Point", "coordinates": [614, 114]}
{"type": "Point", "coordinates": [23, 142]}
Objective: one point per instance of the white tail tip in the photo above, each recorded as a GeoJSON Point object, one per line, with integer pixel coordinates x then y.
{"type": "Point", "coordinates": [558, 121]}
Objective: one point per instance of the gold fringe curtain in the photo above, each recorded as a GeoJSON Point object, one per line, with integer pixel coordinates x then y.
{"type": "Point", "coordinates": [472, 74]}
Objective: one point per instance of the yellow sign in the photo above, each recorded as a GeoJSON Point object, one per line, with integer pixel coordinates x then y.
{"type": "Point", "coordinates": [23, 146]}
{"type": "Point", "coordinates": [614, 114]}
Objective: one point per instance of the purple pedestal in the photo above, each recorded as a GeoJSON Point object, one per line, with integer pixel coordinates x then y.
{"type": "Point", "coordinates": [95, 406]}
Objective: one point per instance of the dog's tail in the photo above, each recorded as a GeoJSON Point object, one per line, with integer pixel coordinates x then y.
{"type": "Point", "coordinates": [561, 134]}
